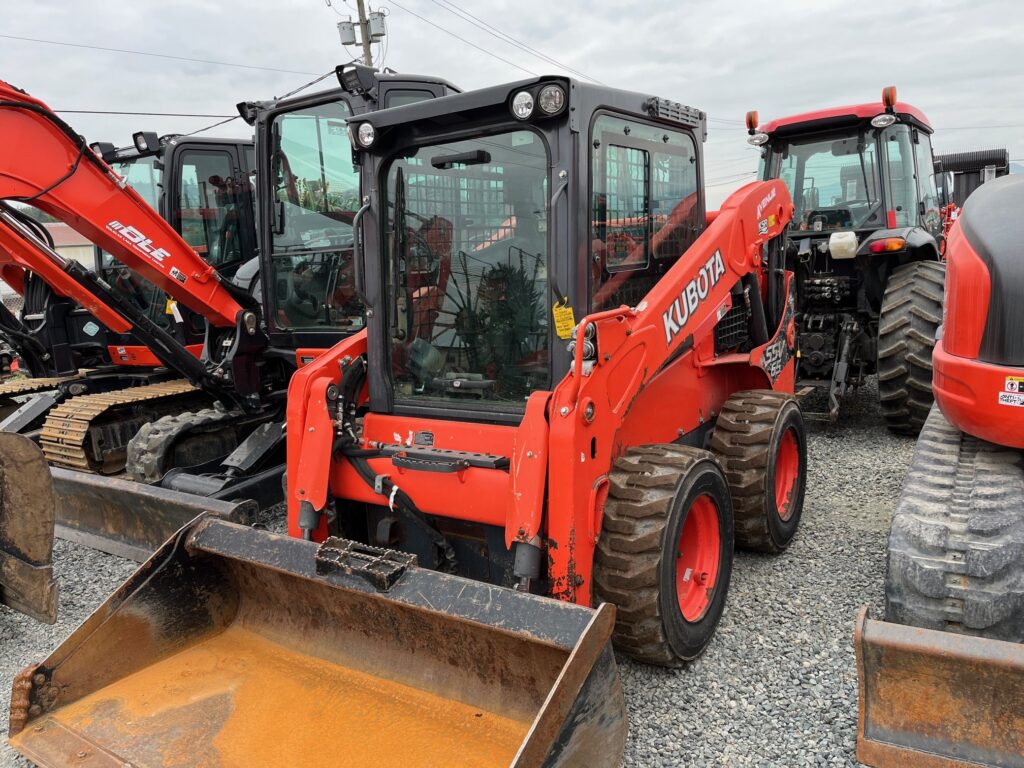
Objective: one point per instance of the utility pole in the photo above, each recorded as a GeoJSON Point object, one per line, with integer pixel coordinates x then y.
{"type": "Point", "coordinates": [364, 33]}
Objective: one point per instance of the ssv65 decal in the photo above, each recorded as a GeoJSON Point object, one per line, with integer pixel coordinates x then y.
{"type": "Point", "coordinates": [695, 291]}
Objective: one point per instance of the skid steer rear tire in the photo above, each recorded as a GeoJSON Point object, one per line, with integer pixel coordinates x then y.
{"type": "Point", "coordinates": [956, 546]}
{"type": "Point", "coordinates": [761, 442]}
{"type": "Point", "coordinates": [910, 316]}
{"type": "Point", "coordinates": [645, 566]}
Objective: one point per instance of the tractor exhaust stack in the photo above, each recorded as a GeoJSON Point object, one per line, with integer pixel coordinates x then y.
{"type": "Point", "coordinates": [232, 646]}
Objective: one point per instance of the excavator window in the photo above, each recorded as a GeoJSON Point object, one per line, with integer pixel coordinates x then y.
{"type": "Point", "coordinates": [644, 207]}
{"type": "Point", "coordinates": [210, 204]}
{"type": "Point", "coordinates": [316, 196]}
{"type": "Point", "coordinates": [467, 272]}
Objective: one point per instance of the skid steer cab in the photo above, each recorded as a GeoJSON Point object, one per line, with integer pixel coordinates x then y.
{"type": "Point", "coordinates": [866, 244]}
{"type": "Point", "coordinates": [569, 384]}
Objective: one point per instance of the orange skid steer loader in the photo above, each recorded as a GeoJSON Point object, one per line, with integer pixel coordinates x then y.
{"type": "Point", "coordinates": [473, 453]}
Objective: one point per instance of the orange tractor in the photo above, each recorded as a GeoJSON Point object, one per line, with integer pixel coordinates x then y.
{"type": "Point", "coordinates": [477, 450]}
{"type": "Point", "coordinates": [942, 678]}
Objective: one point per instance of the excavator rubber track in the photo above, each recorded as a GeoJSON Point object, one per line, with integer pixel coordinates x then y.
{"type": "Point", "coordinates": [65, 434]}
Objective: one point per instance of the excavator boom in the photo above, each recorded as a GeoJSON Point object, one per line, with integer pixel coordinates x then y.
{"type": "Point", "coordinates": [45, 163]}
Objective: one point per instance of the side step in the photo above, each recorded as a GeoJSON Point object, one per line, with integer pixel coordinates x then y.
{"type": "Point", "coordinates": [235, 646]}
{"type": "Point", "coordinates": [934, 699]}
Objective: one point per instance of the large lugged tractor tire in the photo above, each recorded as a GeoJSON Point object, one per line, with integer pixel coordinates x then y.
{"type": "Point", "coordinates": [762, 444]}
{"type": "Point", "coordinates": [664, 555]}
{"type": "Point", "coordinates": [956, 547]}
{"type": "Point", "coordinates": [910, 316]}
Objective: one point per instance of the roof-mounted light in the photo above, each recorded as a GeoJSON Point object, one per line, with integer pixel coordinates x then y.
{"type": "Point", "coordinates": [751, 121]}
{"type": "Point", "coordinates": [103, 150]}
{"type": "Point", "coordinates": [883, 120]}
{"type": "Point", "coordinates": [146, 141]}
{"type": "Point", "coordinates": [889, 98]}
{"type": "Point", "coordinates": [522, 105]}
{"type": "Point", "coordinates": [247, 111]}
{"type": "Point", "coordinates": [356, 78]}
{"type": "Point", "coordinates": [551, 99]}
{"type": "Point", "coordinates": [757, 139]}
{"type": "Point", "coordinates": [365, 135]}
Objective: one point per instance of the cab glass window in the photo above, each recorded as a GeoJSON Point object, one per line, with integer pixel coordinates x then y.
{"type": "Point", "coordinates": [467, 264]}
{"type": "Point", "coordinates": [926, 186]}
{"type": "Point", "coordinates": [645, 210]}
{"type": "Point", "coordinates": [899, 152]}
{"type": "Point", "coordinates": [211, 204]}
{"type": "Point", "coordinates": [315, 198]}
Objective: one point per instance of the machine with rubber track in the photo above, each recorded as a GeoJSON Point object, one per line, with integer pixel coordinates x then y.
{"type": "Point", "coordinates": [866, 245]}
{"type": "Point", "coordinates": [942, 677]}
{"type": "Point", "coordinates": [211, 426]}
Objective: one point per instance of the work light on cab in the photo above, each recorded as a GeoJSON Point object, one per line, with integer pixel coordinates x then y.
{"type": "Point", "coordinates": [146, 141]}
{"type": "Point", "coordinates": [551, 99]}
{"type": "Point", "coordinates": [365, 135]}
{"type": "Point", "coordinates": [522, 105]}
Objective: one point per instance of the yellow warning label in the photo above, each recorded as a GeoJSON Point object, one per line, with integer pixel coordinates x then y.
{"type": "Point", "coordinates": [1014, 384]}
{"type": "Point", "coordinates": [771, 220]}
{"type": "Point", "coordinates": [169, 308]}
{"type": "Point", "coordinates": [564, 318]}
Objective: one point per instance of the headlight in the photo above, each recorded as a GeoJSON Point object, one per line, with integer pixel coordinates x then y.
{"type": "Point", "coordinates": [551, 99]}
{"type": "Point", "coordinates": [522, 105]}
{"type": "Point", "coordinates": [757, 139]}
{"type": "Point", "coordinates": [366, 135]}
{"type": "Point", "coordinates": [883, 120]}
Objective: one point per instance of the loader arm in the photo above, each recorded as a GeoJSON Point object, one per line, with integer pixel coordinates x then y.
{"type": "Point", "coordinates": [44, 162]}
{"type": "Point", "coordinates": [634, 345]}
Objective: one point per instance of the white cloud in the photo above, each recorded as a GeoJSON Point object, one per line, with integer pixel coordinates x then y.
{"type": "Point", "coordinates": [956, 60]}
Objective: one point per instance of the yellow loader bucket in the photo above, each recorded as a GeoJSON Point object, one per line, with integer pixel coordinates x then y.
{"type": "Point", "coordinates": [934, 699]}
{"type": "Point", "coordinates": [236, 647]}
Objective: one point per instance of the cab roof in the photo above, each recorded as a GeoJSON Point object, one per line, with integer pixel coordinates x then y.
{"type": "Point", "coordinates": [841, 117]}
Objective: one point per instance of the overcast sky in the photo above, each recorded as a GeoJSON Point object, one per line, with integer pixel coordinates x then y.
{"type": "Point", "coordinates": [957, 60]}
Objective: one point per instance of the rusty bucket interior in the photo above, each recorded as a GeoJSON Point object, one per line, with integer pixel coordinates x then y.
{"type": "Point", "coordinates": [933, 699]}
{"type": "Point", "coordinates": [236, 647]}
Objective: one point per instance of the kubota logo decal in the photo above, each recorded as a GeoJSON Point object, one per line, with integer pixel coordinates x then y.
{"type": "Point", "coordinates": [682, 309]}
{"type": "Point", "coordinates": [134, 237]}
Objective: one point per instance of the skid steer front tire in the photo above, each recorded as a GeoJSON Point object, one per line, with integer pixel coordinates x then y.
{"type": "Point", "coordinates": [664, 554]}
{"type": "Point", "coordinates": [910, 317]}
{"type": "Point", "coordinates": [761, 442]}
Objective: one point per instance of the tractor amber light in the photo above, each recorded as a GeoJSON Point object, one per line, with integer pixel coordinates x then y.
{"type": "Point", "coordinates": [889, 97]}
{"type": "Point", "coordinates": [888, 245]}
{"type": "Point", "coordinates": [752, 120]}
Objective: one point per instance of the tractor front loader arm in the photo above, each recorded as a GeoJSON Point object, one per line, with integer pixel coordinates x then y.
{"type": "Point", "coordinates": [620, 351]}
{"type": "Point", "coordinates": [45, 163]}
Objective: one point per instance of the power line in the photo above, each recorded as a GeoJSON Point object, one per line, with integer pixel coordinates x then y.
{"type": "Point", "coordinates": [494, 32]}
{"type": "Point", "coordinates": [155, 55]}
{"type": "Point", "coordinates": [464, 40]}
{"type": "Point", "coordinates": [143, 114]}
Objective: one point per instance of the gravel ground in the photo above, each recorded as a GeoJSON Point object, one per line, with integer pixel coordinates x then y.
{"type": "Point", "coordinates": [777, 687]}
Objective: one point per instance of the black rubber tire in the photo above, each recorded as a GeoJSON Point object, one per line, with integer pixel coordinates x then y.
{"type": "Point", "coordinates": [956, 546]}
{"type": "Point", "coordinates": [910, 316]}
{"type": "Point", "coordinates": [651, 489]}
{"type": "Point", "coordinates": [151, 450]}
{"type": "Point", "coordinates": [746, 439]}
